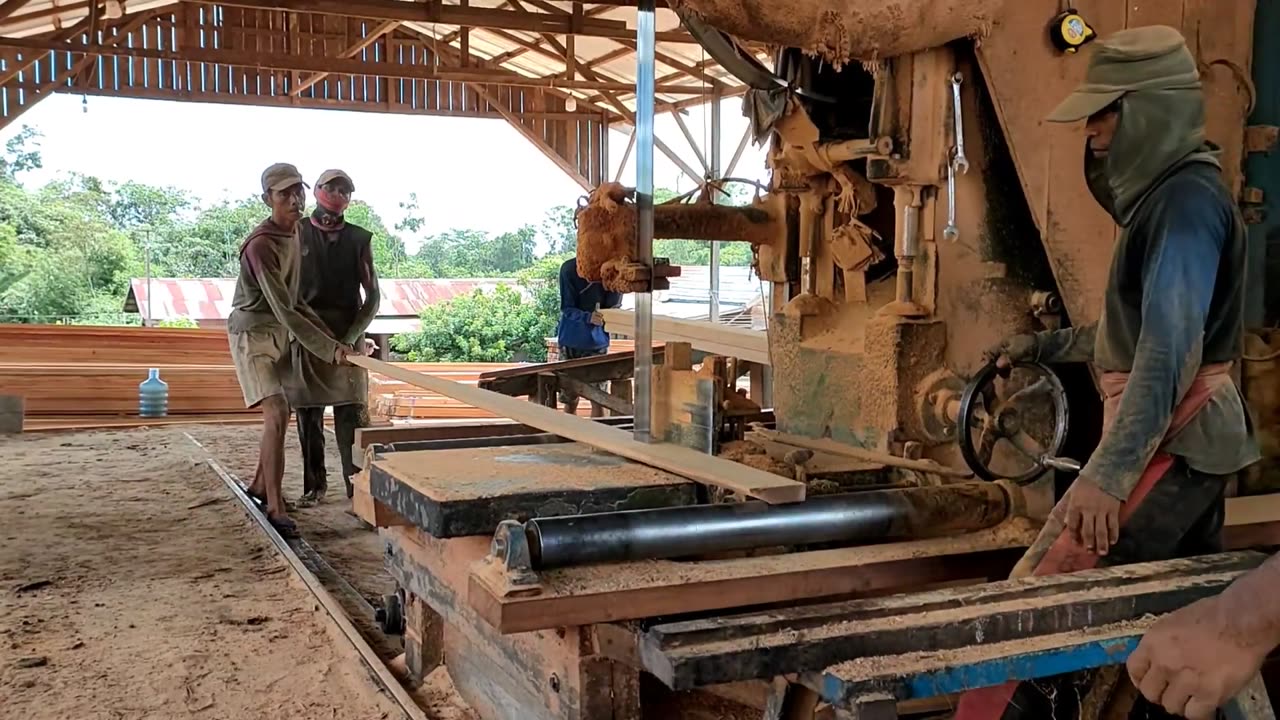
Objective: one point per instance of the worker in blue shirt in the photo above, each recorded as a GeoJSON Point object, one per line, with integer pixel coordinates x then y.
{"type": "Point", "coordinates": [581, 330]}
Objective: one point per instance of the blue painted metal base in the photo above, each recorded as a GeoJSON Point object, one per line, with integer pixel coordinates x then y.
{"type": "Point", "coordinates": [860, 686]}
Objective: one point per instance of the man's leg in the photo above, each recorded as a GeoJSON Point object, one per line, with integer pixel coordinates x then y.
{"type": "Point", "coordinates": [1203, 538]}
{"type": "Point", "coordinates": [346, 418]}
{"type": "Point", "coordinates": [311, 437]}
{"type": "Point", "coordinates": [1169, 504]}
{"type": "Point", "coordinates": [275, 421]}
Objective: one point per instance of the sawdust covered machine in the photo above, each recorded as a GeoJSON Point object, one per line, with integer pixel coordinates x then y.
{"type": "Point", "coordinates": [919, 210]}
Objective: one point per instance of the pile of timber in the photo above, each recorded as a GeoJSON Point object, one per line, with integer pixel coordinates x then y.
{"type": "Point", "coordinates": [87, 376]}
{"type": "Point", "coordinates": [72, 371]}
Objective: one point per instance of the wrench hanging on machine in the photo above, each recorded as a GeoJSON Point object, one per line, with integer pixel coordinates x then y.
{"type": "Point", "coordinates": [959, 163]}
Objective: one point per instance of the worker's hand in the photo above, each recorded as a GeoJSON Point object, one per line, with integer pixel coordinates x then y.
{"type": "Point", "coordinates": [1013, 349]}
{"type": "Point", "coordinates": [370, 347]}
{"type": "Point", "coordinates": [1192, 663]}
{"type": "Point", "coordinates": [597, 318]}
{"type": "Point", "coordinates": [1093, 516]}
{"type": "Point", "coordinates": [342, 353]}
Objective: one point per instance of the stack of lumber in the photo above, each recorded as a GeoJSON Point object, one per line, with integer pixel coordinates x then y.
{"type": "Point", "coordinates": [397, 400]}
{"type": "Point", "coordinates": [104, 345]}
{"type": "Point", "coordinates": [87, 376]}
{"type": "Point", "coordinates": [71, 371]}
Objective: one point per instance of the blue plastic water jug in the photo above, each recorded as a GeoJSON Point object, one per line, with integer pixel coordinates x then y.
{"type": "Point", "coordinates": [153, 395]}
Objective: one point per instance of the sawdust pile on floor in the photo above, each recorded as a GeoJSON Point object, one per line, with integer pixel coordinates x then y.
{"type": "Point", "coordinates": [849, 30]}
{"type": "Point", "coordinates": [133, 586]}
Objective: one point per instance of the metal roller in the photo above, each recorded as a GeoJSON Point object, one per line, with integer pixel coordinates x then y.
{"type": "Point", "coordinates": [869, 516]}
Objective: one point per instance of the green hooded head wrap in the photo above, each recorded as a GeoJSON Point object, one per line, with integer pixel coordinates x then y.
{"type": "Point", "coordinates": [1152, 77]}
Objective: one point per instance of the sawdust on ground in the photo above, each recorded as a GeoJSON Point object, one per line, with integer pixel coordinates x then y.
{"type": "Point", "coordinates": [133, 586]}
{"type": "Point", "coordinates": [352, 550]}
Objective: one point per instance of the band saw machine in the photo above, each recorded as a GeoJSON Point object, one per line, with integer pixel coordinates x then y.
{"type": "Point", "coordinates": [918, 211]}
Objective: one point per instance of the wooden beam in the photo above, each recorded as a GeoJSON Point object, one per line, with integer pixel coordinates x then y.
{"type": "Point", "coordinates": [593, 394]}
{"type": "Point", "coordinates": [349, 52]}
{"type": "Point", "coordinates": [22, 65]}
{"type": "Point", "coordinates": [570, 597]}
{"type": "Point", "coordinates": [684, 128]}
{"type": "Point", "coordinates": [809, 639]}
{"type": "Point", "coordinates": [490, 63]}
{"type": "Point", "coordinates": [750, 345]}
{"type": "Point", "coordinates": [279, 61]}
{"type": "Point", "coordinates": [437, 13]}
{"type": "Point", "coordinates": [681, 461]}
{"type": "Point", "coordinates": [9, 7]}
{"type": "Point", "coordinates": [533, 137]}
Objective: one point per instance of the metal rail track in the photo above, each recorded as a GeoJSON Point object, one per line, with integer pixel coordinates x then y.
{"type": "Point", "coordinates": [293, 552]}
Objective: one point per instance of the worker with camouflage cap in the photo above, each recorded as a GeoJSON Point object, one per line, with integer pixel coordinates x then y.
{"type": "Point", "coordinates": [1175, 428]}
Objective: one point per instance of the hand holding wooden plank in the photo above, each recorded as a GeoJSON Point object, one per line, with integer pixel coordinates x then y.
{"type": "Point", "coordinates": [688, 463]}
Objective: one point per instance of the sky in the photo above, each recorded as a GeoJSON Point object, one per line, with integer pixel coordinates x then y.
{"type": "Point", "coordinates": [467, 173]}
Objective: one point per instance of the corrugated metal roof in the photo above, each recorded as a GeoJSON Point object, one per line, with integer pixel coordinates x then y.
{"type": "Point", "coordinates": [210, 298]}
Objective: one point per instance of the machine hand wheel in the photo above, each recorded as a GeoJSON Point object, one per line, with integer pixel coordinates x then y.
{"type": "Point", "coordinates": [1005, 404]}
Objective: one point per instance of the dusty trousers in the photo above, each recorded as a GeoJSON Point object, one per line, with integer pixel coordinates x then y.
{"type": "Point", "coordinates": [1178, 514]}
{"type": "Point", "coordinates": [310, 423]}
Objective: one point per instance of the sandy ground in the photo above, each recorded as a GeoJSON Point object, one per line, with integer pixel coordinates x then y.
{"type": "Point", "coordinates": [353, 550]}
{"type": "Point", "coordinates": [133, 586]}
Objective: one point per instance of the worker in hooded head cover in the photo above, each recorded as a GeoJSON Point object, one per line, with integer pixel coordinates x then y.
{"type": "Point", "coordinates": [337, 266]}
{"type": "Point", "coordinates": [1175, 427]}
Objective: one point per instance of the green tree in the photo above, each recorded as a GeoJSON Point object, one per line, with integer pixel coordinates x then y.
{"type": "Point", "coordinates": [21, 153]}
{"type": "Point", "coordinates": [497, 326]}
{"type": "Point", "coordinates": [559, 230]}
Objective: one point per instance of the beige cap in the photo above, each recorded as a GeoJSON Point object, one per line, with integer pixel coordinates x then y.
{"type": "Point", "coordinates": [1144, 58]}
{"type": "Point", "coordinates": [281, 176]}
{"type": "Point", "coordinates": [329, 176]}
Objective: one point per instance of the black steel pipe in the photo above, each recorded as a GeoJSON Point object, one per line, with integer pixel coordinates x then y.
{"type": "Point", "coordinates": [875, 515]}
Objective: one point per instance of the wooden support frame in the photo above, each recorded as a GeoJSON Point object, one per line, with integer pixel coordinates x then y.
{"type": "Point", "coordinates": [626, 591]}
{"type": "Point", "coordinates": [437, 13]}
{"type": "Point", "coordinates": [682, 461]}
{"type": "Point", "coordinates": [318, 64]}
{"type": "Point", "coordinates": [808, 639]}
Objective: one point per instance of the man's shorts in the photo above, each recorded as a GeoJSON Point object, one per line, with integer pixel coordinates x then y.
{"type": "Point", "coordinates": [260, 357]}
{"type": "Point", "coordinates": [569, 353]}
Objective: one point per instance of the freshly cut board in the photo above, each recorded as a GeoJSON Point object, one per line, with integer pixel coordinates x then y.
{"type": "Point", "coordinates": [688, 463]}
{"type": "Point", "coordinates": [751, 345]}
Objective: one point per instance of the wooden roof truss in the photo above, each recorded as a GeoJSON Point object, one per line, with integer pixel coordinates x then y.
{"type": "Point", "coordinates": [561, 73]}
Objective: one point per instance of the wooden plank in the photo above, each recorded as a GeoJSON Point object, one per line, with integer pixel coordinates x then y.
{"type": "Point", "coordinates": [628, 591]}
{"type": "Point", "coordinates": [681, 461]}
{"type": "Point", "coordinates": [751, 345]}
{"type": "Point", "coordinates": [468, 491]}
{"type": "Point", "coordinates": [597, 396]}
{"type": "Point", "coordinates": [807, 639]}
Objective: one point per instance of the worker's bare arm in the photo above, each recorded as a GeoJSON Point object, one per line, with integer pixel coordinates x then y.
{"type": "Point", "coordinates": [372, 298]}
{"type": "Point", "coordinates": [1194, 660]}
